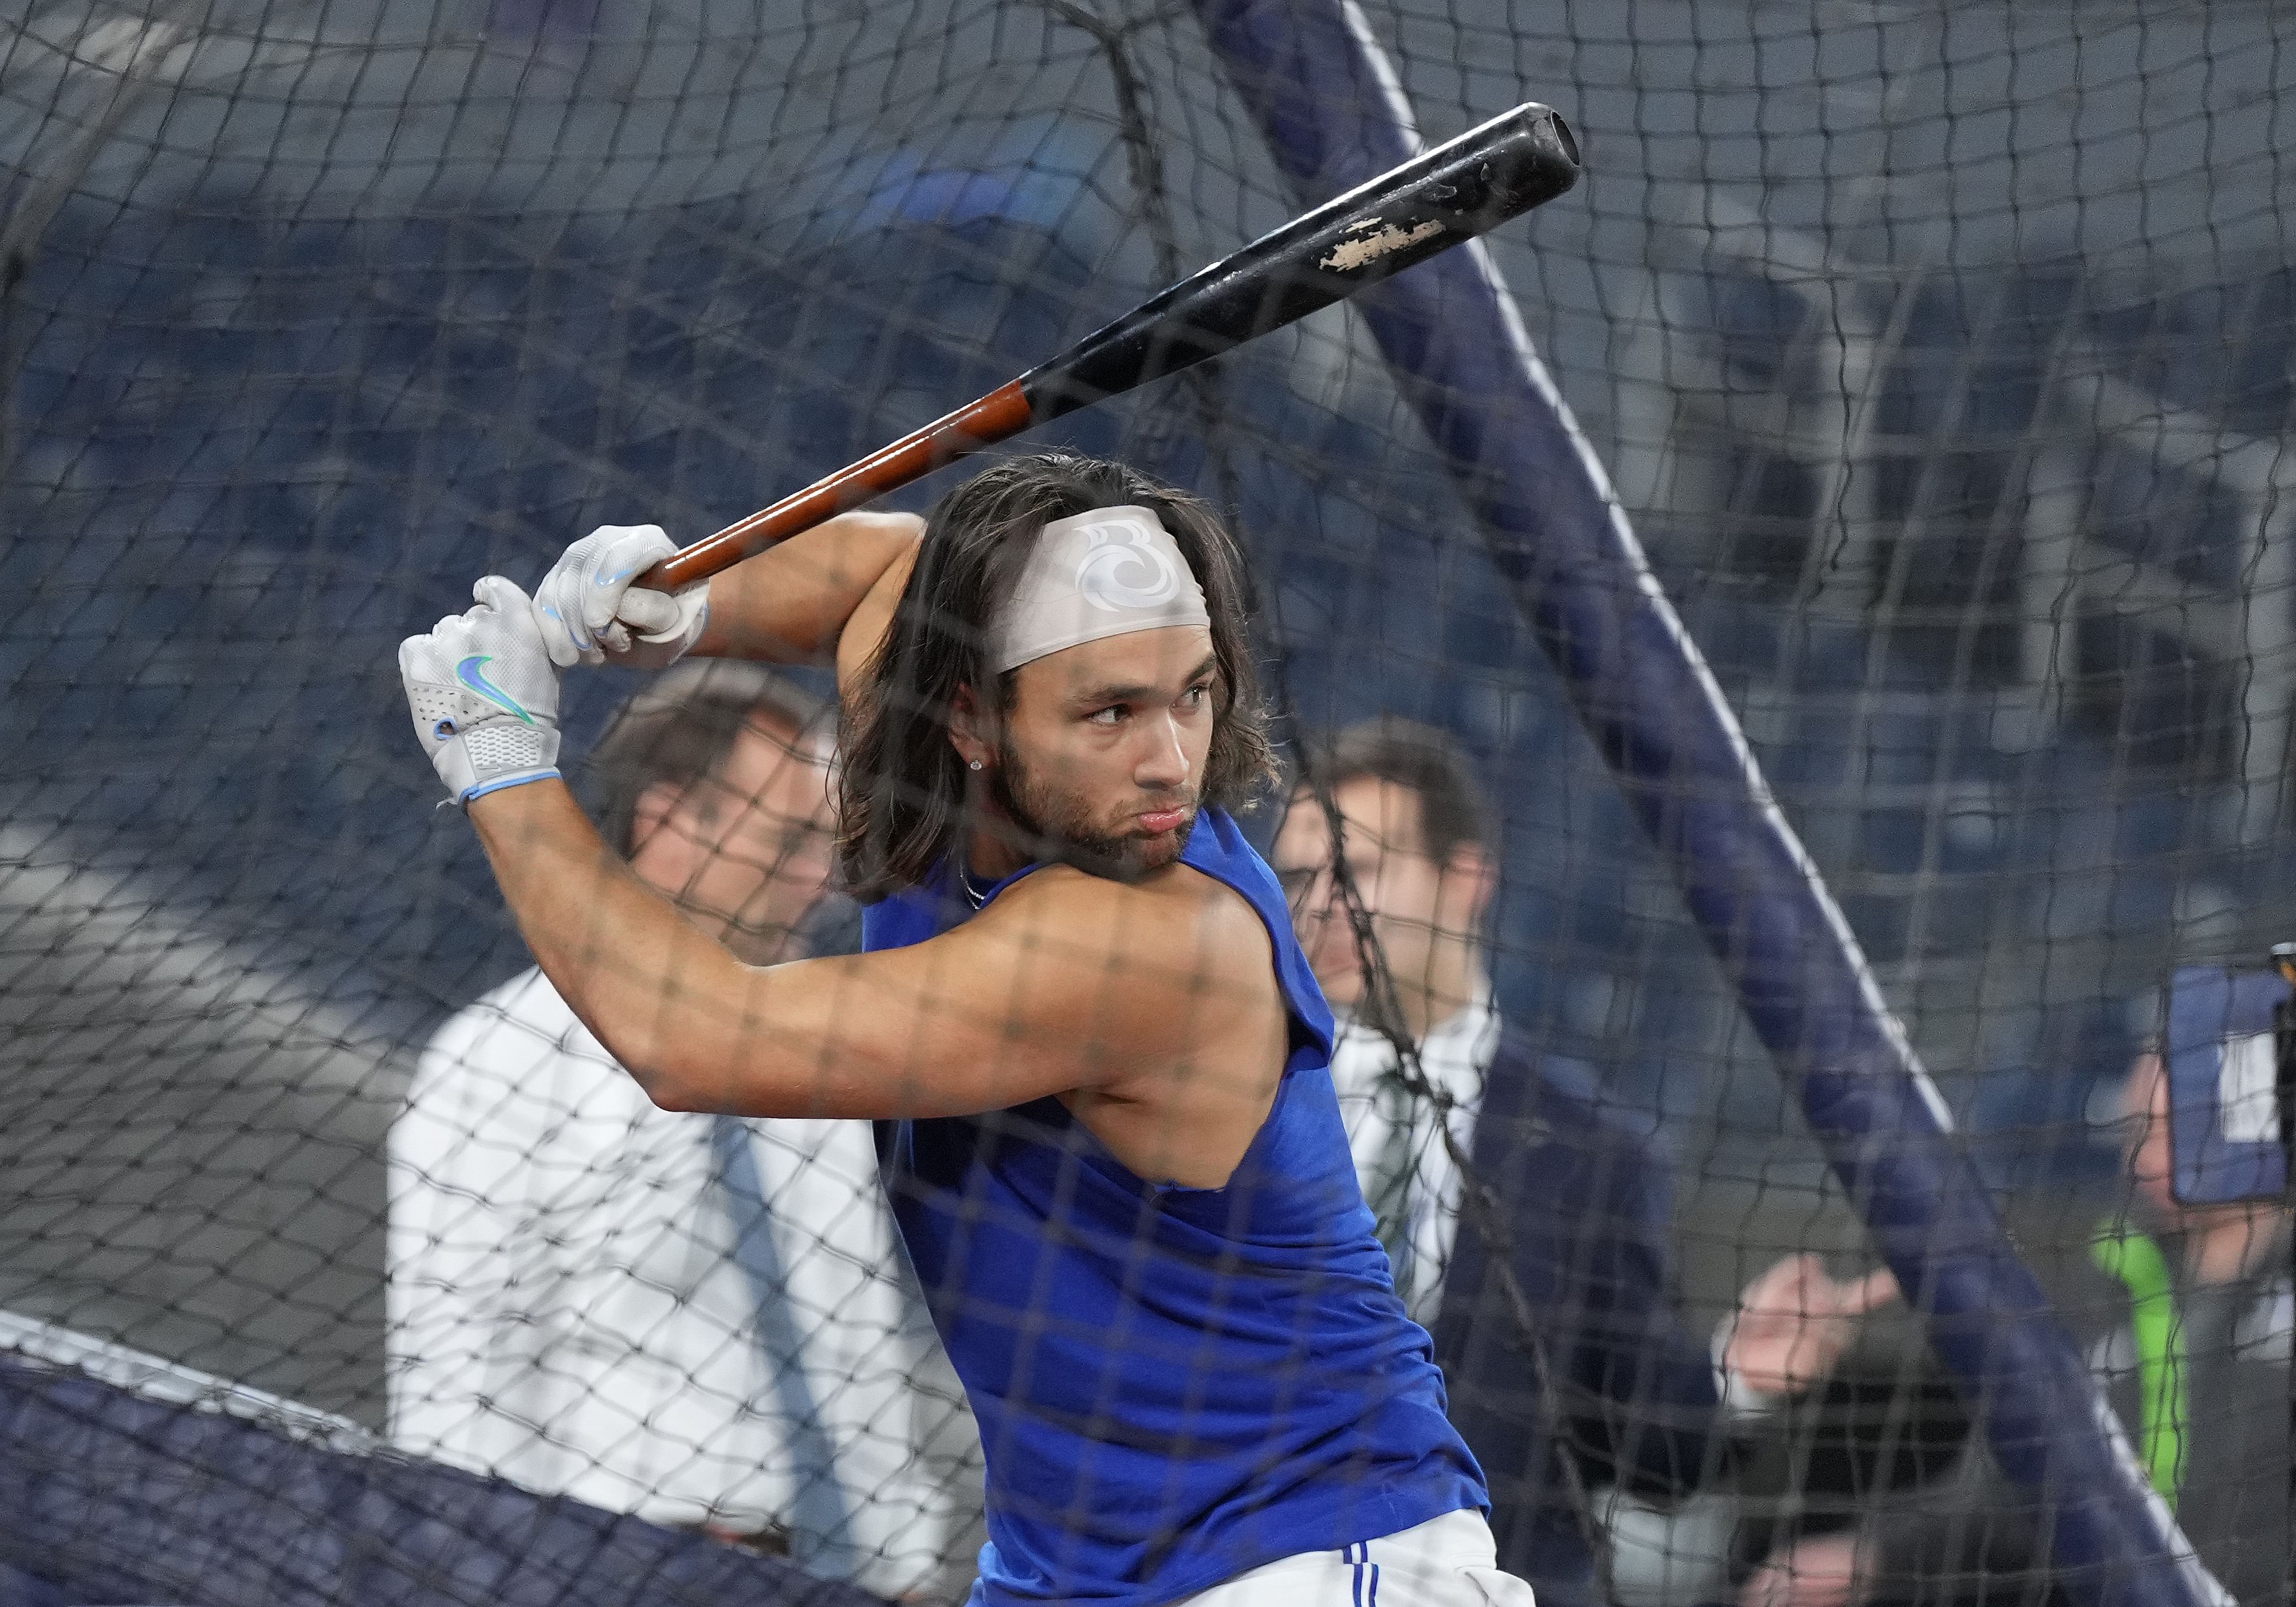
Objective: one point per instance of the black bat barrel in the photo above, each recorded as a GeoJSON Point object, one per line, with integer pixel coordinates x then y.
{"type": "Point", "coordinates": [1459, 190]}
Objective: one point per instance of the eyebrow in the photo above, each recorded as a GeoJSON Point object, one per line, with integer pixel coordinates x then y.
{"type": "Point", "coordinates": [1133, 691]}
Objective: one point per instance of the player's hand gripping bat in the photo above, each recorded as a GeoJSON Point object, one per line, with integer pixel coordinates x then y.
{"type": "Point", "coordinates": [1454, 193]}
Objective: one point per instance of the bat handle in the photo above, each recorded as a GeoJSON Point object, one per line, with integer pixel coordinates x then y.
{"type": "Point", "coordinates": [1003, 413]}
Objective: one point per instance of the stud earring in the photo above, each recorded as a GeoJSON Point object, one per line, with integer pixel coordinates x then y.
{"type": "Point", "coordinates": [976, 764]}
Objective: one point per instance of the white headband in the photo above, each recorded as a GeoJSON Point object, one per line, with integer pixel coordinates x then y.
{"type": "Point", "coordinates": [1105, 573]}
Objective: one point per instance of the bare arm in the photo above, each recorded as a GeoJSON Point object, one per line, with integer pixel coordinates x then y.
{"type": "Point", "coordinates": [1066, 984]}
{"type": "Point", "coordinates": [790, 604]}
{"type": "Point", "coordinates": [872, 622]}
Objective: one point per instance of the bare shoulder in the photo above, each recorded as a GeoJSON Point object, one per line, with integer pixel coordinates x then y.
{"type": "Point", "coordinates": [1175, 929]}
{"type": "Point", "coordinates": [1179, 1016]}
{"type": "Point", "coordinates": [1175, 902]}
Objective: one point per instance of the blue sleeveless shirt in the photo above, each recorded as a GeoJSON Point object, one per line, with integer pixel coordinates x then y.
{"type": "Point", "coordinates": [1173, 1385]}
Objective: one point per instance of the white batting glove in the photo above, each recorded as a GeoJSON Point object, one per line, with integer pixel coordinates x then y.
{"type": "Point", "coordinates": [590, 614]}
{"type": "Point", "coordinates": [484, 695]}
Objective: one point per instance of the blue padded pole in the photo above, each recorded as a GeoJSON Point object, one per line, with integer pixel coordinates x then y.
{"type": "Point", "coordinates": [1331, 110]}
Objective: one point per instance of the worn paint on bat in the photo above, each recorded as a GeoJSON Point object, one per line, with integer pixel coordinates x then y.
{"type": "Point", "coordinates": [1385, 237]}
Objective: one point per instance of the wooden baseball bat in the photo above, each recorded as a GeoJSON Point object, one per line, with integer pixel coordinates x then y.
{"type": "Point", "coordinates": [1457, 191]}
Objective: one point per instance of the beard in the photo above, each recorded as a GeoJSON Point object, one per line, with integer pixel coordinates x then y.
{"type": "Point", "coordinates": [1060, 826]}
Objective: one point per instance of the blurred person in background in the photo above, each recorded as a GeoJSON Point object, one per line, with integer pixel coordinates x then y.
{"type": "Point", "coordinates": [700, 1320]}
{"type": "Point", "coordinates": [2185, 1313]}
{"type": "Point", "coordinates": [1613, 1380]}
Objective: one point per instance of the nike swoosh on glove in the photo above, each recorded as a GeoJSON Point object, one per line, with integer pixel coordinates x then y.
{"type": "Point", "coordinates": [484, 695]}
{"type": "Point", "coordinates": [590, 614]}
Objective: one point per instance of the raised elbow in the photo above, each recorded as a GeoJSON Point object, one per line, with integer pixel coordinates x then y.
{"type": "Point", "coordinates": [668, 1096]}
{"type": "Point", "coordinates": [669, 1086]}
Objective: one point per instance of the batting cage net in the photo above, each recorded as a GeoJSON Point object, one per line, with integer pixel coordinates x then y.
{"type": "Point", "coordinates": [1779, 665]}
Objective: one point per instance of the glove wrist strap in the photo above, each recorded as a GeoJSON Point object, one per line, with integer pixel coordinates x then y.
{"type": "Point", "coordinates": [496, 783]}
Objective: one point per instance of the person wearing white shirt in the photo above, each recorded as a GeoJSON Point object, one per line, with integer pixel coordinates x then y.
{"type": "Point", "coordinates": [700, 1320]}
{"type": "Point", "coordinates": [1393, 920]}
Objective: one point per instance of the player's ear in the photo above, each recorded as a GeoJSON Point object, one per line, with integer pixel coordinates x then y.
{"type": "Point", "coordinates": [969, 730]}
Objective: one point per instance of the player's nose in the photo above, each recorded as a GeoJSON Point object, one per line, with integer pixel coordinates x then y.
{"type": "Point", "coordinates": [1163, 759]}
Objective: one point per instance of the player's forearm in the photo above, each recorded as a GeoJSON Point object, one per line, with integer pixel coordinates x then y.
{"type": "Point", "coordinates": [927, 1031]}
{"type": "Point", "coordinates": [635, 969]}
{"type": "Point", "coordinates": [699, 1030]}
{"type": "Point", "coordinates": [789, 604]}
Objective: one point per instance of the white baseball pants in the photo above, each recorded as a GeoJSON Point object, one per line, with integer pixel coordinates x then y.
{"type": "Point", "coordinates": [1446, 1562]}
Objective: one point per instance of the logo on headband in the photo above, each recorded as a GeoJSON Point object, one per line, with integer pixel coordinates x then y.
{"type": "Point", "coordinates": [1122, 572]}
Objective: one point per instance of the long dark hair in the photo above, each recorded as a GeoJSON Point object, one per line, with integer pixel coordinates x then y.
{"type": "Point", "coordinates": [901, 802]}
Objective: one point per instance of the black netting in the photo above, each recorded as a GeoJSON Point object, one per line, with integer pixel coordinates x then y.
{"type": "Point", "coordinates": [1940, 357]}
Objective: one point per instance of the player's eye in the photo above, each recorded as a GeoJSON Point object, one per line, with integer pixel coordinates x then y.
{"type": "Point", "coordinates": [1110, 716]}
{"type": "Point", "coordinates": [1194, 698]}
